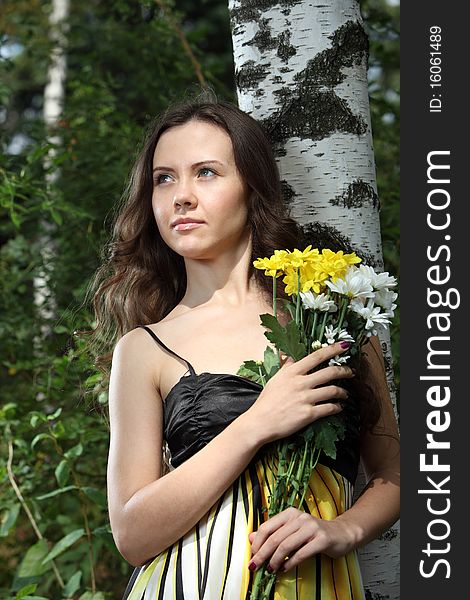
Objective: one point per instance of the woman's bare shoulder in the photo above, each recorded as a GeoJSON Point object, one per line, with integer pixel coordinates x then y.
{"type": "Point", "coordinates": [135, 337]}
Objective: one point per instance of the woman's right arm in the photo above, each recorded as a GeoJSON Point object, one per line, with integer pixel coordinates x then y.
{"type": "Point", "coordinates": [148, 512]}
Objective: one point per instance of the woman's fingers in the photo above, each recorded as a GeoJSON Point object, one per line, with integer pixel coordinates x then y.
{"type": "Point", "coordinates": [269, 527]}
{"type": "Point", "coordinates": [295, 536]}
{"type": "Point", "coordinates": [327, 374]}
{"type": "Point", "coordinates": [282, 541]}
{"type": "Point", "coordinates": [312, 547]}
{"type": "Point", "coordinates": [317, 357]}
{"type": "Point", "coordinates": [332, 393]}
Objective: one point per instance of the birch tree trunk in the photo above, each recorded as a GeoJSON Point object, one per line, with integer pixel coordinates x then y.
{"type": "Point", "coordinates": [54, 92]}
{"type": "Point", "coordinates": [301, 70]}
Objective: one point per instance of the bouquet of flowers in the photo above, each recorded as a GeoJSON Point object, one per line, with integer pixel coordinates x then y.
{"type": "Point", "coordinates": [331, 299]}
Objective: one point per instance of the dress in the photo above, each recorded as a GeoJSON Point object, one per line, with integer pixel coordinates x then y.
{"type": "Point", "coordinates": [210, 562]}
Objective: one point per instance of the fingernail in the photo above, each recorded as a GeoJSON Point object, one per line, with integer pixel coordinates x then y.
{"type": "Point", "coordinates": [252, 566]}
{"type": "Point", "coordinates": [269, 569]}
{"type": "Point", "coordinates": [345, 344]}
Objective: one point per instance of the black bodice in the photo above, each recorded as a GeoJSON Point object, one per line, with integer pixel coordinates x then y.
{"type": "Point", "coordinates": [199, 406]}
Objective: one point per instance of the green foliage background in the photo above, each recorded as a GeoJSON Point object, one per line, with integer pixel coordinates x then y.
{"type": "Point", "coordinates": [126, 62]}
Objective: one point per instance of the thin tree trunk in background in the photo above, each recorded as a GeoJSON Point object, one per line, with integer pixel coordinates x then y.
{"type": "Point", "coordinates": [301, 70]}
{"type": "Point", "coordinates": [54, 92]}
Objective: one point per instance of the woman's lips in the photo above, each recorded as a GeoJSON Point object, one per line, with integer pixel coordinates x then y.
{"type": "Point", "coordinates": [185, 226]}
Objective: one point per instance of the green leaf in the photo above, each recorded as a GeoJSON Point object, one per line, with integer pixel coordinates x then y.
{"type": "Point", "coordinates": [37, 417]}
{"type": "Point", "coordinates": [326, 432]}
{"type": "Point", "coordinates": [61, 329]}
{"type": "Point", "coordinates": [271, 362]}
{"type": "Point", "coordinates": [26, 590]}
{"type": "Point", "coordinates": [74, 451]}
{"type": "Point", "coordinates": [32, 563]}
{"type": "Point", "coordinates": [72, 585]}
{"type": "Point", "coordinates": [9, 519]}
{"type": "Point", "coordinates": [287, 339]}
{"type": "Point", "coordinates": [252, 370]}
{"type": "Point", "coordinates": [57, 492]}
{"type": "Point", "coordinates": [287, 305]}
{"type": "Point", "coordinates": [102, 531]}
{"type": "Point", "coordinates": [91, 596]}
{"type": "Point", "coordinates": [15, 218]}
{"type": "Point", "coordinates": [62, 472]}
{"type": "Point", "coordinates": [39, 437]}
{"type": "Point", "coordinates": [56, 216]}
{"type": "Point", "coordinates": [9, 407]}
{"type": "Point", "coordinates": [96, 496]}
{"type": "Point", "coordinates": [54, 415]}
{"type": "Point", "coordinates": [64, 543]}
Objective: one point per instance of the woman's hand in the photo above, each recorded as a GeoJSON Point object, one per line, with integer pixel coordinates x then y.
{"type": "Point", "coordinates": [298, 535]}
{"type": "Point", "coordinates": [293, 398]}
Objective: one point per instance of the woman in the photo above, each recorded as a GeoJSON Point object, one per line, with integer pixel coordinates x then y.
{"type": "Point", "coordinates": [204, 202]}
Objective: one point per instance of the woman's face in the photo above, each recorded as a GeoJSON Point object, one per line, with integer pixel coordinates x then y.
{"type": "Point", "coordinates": [195, 179]}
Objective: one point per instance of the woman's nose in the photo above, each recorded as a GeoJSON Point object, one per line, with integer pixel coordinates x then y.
{"type": "Point", "coordinates": [184, 194]}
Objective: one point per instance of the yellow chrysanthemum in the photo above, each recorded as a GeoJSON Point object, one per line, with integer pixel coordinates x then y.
{"type": "Point", "coordinates": [274, 265]}
{"type": "Point", "coordinates": [335, 264]}
{"type": "Point", "coordinates": [298, 258]}
{"type": "Point", "coordinates": [314, 268]}
{"type": "Point", "coordinates": [308, 281]}
{"type": "Point", "coordinates": [313, 277]}
{"type": "Point", "coordinates": [291, 282]}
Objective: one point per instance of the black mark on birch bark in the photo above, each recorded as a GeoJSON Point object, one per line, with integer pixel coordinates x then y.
{"type": "Point", "coordinates": [249, 75]}
{"type": "Point", "coordinates": [321, 236]}
{"type": "Point", "coordinates": [252, 10]}
{"type": "Point", "coordinates": [375, 595]}
{"type": "Point", "coordinates": [357, 194]}
{"type": "Point", "coordinates": [313, 116]}
{"type": "Point", "coordinates": [285, 49]}
{"type": "Point", "coordinates": [349, 45]}
{"type": "Point", "coordinates": [390, 534]}
{"type": "Point", "coordinates": [311, 109]}
{"type": "Point", "coordinates": [288, 192]}
{"type": "Point", "coordinates": [263, 40]}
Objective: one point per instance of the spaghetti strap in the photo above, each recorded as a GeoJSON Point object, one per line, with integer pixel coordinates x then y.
{"type": "Point", "coordinates": [159, 341]}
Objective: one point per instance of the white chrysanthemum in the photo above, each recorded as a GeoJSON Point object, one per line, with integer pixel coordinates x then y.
{"type": "Point", "coordinates": [370, 313]}
{"type": "Point", "coordinates": [334, 335]}
{"type": "Point", "coordinates": [378, 281]}
{"type": "Point", "coordinates": [386, 298]}
{"type": "Point", "coordinates": [316, 345]}
{"type": "Point", "coordinates": [318, 302]}
{"type": "Point", "coordinates": [353, 284]}
{"type": "Point", "coordinates": [337, 361]}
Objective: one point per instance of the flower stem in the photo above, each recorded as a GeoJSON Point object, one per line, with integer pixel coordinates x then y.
{"type": "Point", "coordinates": [316, 453]}
{"type": "Point", "coordinates": [314, 324]}
{"type": "Point", "coordinates": [299, 475]}
{"type": "Point", "coordinates": [322, 327]}
{"type": "Point", "coordinates": [269, 585]}
{"type": "Point", "coordinates": [275, 313]}
{"type": "Point", "coordinates": [345, 304]}
{"type": "Point", "coordinates": [297, 303]}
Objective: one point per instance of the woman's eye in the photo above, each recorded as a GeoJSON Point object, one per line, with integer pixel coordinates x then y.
{"type": "Point", "coordinates": [160, 178]}
{"type": "Point", "coordinates": [207, 169]}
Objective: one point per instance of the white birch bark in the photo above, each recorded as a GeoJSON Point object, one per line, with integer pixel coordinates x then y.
{"type": "Point", "coordinates": [301, 70]}
{"type": "Point", "coordinates": [54, 92]}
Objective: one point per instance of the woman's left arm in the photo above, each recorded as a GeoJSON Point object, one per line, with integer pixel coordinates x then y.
{"type": "Point", "coordinates": [299, 535]}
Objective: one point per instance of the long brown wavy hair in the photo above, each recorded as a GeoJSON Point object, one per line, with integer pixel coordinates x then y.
{"type": "Point", "coordinates": [142, 279]}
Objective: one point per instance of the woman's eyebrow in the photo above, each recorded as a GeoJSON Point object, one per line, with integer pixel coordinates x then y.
{"type": "Point", "coordinates": [197, 164]}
